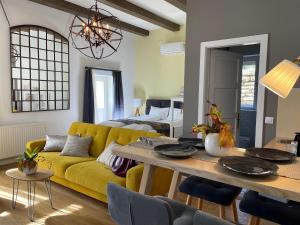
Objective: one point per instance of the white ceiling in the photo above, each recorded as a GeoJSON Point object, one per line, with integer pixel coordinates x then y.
{"type": "Point", "coordinates": [159, 7]}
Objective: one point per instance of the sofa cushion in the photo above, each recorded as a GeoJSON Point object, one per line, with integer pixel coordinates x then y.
{"type": "Point", "coordinates": [98, 132]}
{"type": "Point", "coordinates": [125, 136]}
{"type": "Point", "coordinates": [57, 163]}
{"type": "Point", "coordinates": [93, 175]}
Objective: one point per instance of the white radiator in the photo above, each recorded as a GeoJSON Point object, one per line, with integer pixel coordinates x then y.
{"type": "Point", "coordinates": [13, 138]}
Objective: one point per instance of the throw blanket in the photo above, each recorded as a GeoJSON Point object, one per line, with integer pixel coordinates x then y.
{"type": "Point", "coordinates": [163, 128]}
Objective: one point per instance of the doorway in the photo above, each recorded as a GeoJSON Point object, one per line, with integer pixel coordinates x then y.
{"type": "Point", "coordinates": [225, 66]}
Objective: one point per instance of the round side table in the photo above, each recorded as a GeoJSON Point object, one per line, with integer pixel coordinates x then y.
{"type": "Point", "coordinates": [39, 176]}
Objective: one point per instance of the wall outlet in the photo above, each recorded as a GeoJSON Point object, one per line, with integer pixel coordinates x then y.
{"type": "Point", "coordinates": [269, 120]}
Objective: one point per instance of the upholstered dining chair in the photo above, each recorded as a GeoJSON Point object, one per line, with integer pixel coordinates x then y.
{"type": "Point", "coordinates": [212, 191]}
{"type": "Point", "coordinates": [261, 207]}
{"type": "Point", "coordinates": [131, 208]}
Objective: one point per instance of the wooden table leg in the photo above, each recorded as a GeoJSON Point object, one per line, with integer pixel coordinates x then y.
{"type": "Point", "coordinates": [174, 184]}
{"type": "Point", "coordinates": [147, 179]}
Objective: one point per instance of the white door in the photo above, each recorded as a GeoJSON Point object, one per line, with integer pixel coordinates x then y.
{"type": "Point", "coordinates": [224, 75]}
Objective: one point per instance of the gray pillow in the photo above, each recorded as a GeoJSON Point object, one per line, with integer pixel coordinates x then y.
{"type": "Point", "coordinates": [55, 143]}
{"type": "Point", "coordinates": [77, 146]}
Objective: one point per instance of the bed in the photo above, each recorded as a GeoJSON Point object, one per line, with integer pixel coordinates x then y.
{"type": "Point", "coordinates": [157, 118]}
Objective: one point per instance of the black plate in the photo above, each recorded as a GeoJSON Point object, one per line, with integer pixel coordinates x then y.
{"type": "Point", "coordinates": [196, 142]}
{"type": "Point", "coordinates": [248, 166]}
{"type": "Point", "coordinates": [270, 154]}
{"type": "Point", "coordinates": [175, 150]}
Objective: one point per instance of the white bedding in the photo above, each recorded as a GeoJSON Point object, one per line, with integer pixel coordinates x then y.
{"type": "Point", "coordinates": [178, 122]}
{"type": "Point", "coordinates": [150, 118]}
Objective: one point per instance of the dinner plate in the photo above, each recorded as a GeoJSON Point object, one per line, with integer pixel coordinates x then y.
{"type": "Point", "coordinates": [175, 150]}
{"type": "Point", "coordinates": [248, 166]}
{"type": "Point", "coordinates": [196, 142]}
{"type": "Point", "coordinates": [270, 154]}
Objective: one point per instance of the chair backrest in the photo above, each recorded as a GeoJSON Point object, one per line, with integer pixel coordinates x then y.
{"type": "Point", "coordinates": [202, 218]}
{"type": "Point", "coordinates": [131, 208]}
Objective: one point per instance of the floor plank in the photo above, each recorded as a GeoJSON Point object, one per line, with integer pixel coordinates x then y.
{"type": "Point", "coordinates": [70, 207]}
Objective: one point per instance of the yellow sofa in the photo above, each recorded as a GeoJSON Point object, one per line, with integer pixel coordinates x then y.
{"type": "Point", "coordinates": [86, 175]}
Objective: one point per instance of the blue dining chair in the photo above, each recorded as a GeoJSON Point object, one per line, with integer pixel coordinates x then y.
{"type": "Point", "coordinates": [212, 191]}
{"type": "Point", "coordinates": [132, 208]}
{"type": "Point", "coordinates": [261, 207]}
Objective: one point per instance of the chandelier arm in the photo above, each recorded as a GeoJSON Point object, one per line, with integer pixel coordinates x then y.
{"type": "Point", "coordinates": [93, 29]}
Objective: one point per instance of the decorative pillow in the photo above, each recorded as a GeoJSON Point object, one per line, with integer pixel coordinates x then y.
{"type": "Point", "coordinates": [55, 143]}
{"type": "Point", "coordinates": [77, 146]}
{"type": "Point", "coordinates": [106, 156]}
{"type": "Point", "coordinates": [178, 114]}
{"type": "Point", "coordinates": [161, 112]}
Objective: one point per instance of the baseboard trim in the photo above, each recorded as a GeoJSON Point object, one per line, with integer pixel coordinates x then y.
{"type": "Point", "coordinates": [8, 161]}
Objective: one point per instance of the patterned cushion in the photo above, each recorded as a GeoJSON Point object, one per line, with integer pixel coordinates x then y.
{"type": "Point", "coordinates": [209, 190]}
{"type": "Point", "coordinates": [269, 209]}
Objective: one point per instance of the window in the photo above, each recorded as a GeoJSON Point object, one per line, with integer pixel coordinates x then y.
{"type": "Point", "coordinates": [103, 93]}
{"type": "Point", "coordinates": [249, 84]}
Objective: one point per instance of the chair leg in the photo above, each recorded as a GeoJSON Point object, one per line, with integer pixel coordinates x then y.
{"type": "Point", "coordinates": [234, 212]}
{"type": "Point", "coordinates": [188, 200]}
{"type": "Point", "coordinates": [254, 220]}
{"type": "Point", "coordinates": [222, 212]}
{"type": "Point", "coordinates": [200, 204]}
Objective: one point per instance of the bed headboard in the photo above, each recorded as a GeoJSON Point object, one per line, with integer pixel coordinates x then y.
{"type": "Point", "coordinates": [161, 103]}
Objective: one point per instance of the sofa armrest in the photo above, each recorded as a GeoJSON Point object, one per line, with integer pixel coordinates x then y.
{"type": "Point", "coordinates": [36, 144]}
{"type": "Point", "coordinates": [161, 179]}
{"type": "Point", "coordinates": [134, 177]}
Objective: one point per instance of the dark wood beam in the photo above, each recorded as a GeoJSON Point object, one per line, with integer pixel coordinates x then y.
{"type": "Point", "coordinates": [141, 13]}
{"type": "Point", "coordinates": [83, 12]}
{"type": "Point", "coordinates": [180, 4]}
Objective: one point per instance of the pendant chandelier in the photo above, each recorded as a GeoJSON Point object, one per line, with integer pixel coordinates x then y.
{"type": "Point", "coordinates": [14, 54]}
{"type": "Point", "coordinates": [94, 36]}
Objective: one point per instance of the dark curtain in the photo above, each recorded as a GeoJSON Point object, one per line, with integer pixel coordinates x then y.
{"type": "Point", "coordinates": [118, 95]}
{"type": "Point", "coordinates": [88, 98]}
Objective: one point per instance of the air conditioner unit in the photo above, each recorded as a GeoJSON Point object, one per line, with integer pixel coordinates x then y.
{"type": "Point", "coordinates": [172, 48]}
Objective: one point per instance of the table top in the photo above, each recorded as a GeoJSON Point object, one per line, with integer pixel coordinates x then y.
{"type": "Point", "coordinates": [40, 175]}
{"type": "Point", "coordinates": [277, 186]}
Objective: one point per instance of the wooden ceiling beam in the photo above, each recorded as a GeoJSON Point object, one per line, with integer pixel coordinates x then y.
{"type": "Point", "coordinates": [141, 13]}
{"type": "Point", "coordinates": [180, 4]}
{"type": "Point", "coordinates": [83, 12]}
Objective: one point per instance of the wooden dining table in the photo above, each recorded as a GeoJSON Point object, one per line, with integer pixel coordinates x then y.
{"type": "Point", "coordinates": [275, 185]}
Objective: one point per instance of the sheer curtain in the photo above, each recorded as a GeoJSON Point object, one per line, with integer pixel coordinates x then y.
{"type": "Point", "coordinates": [103, 95]}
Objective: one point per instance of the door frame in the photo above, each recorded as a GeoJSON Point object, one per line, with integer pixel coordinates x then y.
{"type": "Point", "coordinates": [205, 47]}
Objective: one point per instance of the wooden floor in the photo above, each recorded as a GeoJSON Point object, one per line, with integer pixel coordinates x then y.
{"type": "Point", "coordinates": [70, 207]}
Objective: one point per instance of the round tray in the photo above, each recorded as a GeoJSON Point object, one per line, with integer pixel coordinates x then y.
{"type": "Point", "coordinates": [175, 150]}
{"type": "Point", "coordinates": [248, 166]}
{"type": "Point", "coordinates": [270, 154]}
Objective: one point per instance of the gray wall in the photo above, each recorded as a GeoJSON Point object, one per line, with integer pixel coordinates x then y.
{"type": "Point", "coordinates": [209, 20]}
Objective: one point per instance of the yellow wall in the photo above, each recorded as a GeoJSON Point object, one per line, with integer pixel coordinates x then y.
{"type": "Point", "coordinates": [288, 115]}
{"type": "Point", "coordinates": [158, 76]}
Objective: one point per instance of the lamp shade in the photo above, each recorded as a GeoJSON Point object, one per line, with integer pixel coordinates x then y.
{"type": "Point", "coordinates": [282, 78]}
{"type": "Point", "coordinates": [137, 102]}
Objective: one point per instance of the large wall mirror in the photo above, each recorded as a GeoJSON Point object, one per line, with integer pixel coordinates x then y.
{"type": "Point", "coordinates": [39, 69]}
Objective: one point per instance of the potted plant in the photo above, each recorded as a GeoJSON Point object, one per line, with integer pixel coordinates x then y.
{"type": "Point", "coordinates": [27, 163]}
{"type": "Point", "coordinates": [217, 134]}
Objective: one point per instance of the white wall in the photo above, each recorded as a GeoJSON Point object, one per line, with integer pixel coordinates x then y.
{"type": "Point", "coordinates": [288, 121]}
{"type": "Point", "coordinates": [25, 12]}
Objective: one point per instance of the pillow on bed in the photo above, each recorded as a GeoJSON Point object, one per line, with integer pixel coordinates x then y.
{"type": "Point", "coordinates": [178, 115]}
{"type": "Point", "coordinates": [161, 112]}
{"type": "Point", "coordinates": [135, 126]}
